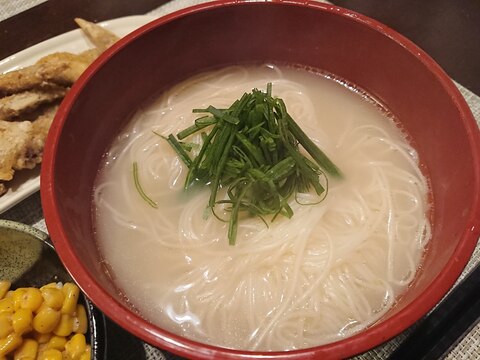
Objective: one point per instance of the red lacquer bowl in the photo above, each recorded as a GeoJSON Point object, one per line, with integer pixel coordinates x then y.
{"type": "Point", "coordinates": [356, 48]}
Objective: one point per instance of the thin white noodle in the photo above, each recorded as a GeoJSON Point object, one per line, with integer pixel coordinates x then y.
{"type": "Point", "coordinates": [330, 271]}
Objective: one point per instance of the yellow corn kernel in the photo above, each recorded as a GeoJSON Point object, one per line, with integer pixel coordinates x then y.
{"type": "Point", "coordinates": [9, 294]}
{"type": "Point", "coordinates": [10, 343]}
{"type": "Point", "coordinates": [41, 338]}
{"type": "Point", "coordinates": [32, 299]}
{"type": "Point", "coordinates": [5, 324]}
{"type": "Point", "coordinates": [26, 351]}
{"type": "Point", "coordinates": [52, 285]}
{"type": "Point", "coordinates": [71, 292]}
{"type": "Point", "coordinates": [18, 297]}
{"type": "Point", "coordinates": [50, 354]}
{"type": "Point", "coordinates": [22, 321]}
{"type": "Point", "coordinates": [6, 305]}
{"type": "Point", "coordinates": [76, 346]}
{"type": "Point", "coordinates": [87, 355]}
{"type": "Point", "coordinates": [53, 297]}
{"type": "Point", "coordinates": [80, 321]}
{"type": "Point", "coordinates": [64, 326]}
{"type": "Point", "coordinates": [57, 342]}
{"type": "Point", "coordinates": [4, 287]}
{"type": "Point", "coordinates": [46, 320]}
{"type": "Point", "coordinates": [43, 306]}
{"type": "Point", "coordinates": [41, 348]}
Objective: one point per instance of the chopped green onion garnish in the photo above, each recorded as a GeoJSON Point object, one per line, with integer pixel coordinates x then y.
{"type": "Point", "coordinates": [252, 149]}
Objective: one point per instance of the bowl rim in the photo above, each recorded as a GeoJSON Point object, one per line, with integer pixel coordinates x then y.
{"type": "Point", "coordinates": [368, 338]}
{"type": "Point", "coordinates": [24, 228]}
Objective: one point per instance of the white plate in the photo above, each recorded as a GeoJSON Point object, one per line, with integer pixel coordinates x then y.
{"type": "Point", "coordinates": [27, 182]}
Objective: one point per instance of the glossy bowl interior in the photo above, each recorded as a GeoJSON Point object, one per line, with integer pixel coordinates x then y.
{"type": "Point", "coordinates": [358, 49]}
{"type": "Point", "coordinates": [28, 259]}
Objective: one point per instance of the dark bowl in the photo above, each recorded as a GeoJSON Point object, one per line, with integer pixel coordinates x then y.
{"type": "Point", "coordinates": [28, 259]}
{"type": "Point", "coordinates": [362, 51]}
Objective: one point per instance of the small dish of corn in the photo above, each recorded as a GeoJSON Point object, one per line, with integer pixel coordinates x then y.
{"type": "Point", "coordinates": [43, 313]}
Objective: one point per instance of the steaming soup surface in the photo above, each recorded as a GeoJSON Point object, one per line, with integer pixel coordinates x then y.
{"type": "Point", "coordinates": [328, 272]}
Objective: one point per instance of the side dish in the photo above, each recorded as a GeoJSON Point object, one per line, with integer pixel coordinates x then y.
{"type": "Point", "coordinates": [43, 323]}
{"type": "Point", "coordinates": [29, 98]}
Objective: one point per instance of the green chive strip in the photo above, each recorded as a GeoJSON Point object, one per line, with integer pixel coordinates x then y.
{"type": "Point", "coordinates": [199, 124]}
{"type": "Point", "coordinates": [139, 188]}
{"type": "Point", "coordinates": [179, 149]}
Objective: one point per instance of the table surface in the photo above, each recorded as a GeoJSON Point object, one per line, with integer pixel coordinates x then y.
{"type": "Point", "coordinates": [447, 30]}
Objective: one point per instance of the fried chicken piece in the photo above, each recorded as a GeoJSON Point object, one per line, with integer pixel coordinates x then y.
{"type": "Point", "coordinates": [27, 91]}
{"type": "Point", "coordinates": [16, 105]}
{"type": "Point", "coordinates": [90, 54]}
{"type": "Point", "coordinates": [99, 36]}
{"type": "Point", "coordinates": [14, 138]}
{"type": "Point", "coordinates": [62, 68]}
{"type": "Point", "coordinates": [59, 68]}
{"type": "Point", "coordinates": [40, 130]}
{"type": "Point", "coordinates": [22, 143]}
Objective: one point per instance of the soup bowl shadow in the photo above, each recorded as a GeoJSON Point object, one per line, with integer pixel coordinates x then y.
{"type": "Point", "coordinates": [364, 52]}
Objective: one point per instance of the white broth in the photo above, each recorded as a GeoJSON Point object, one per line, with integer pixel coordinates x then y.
{"type": "Point", "coordinates": [331, 270]}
